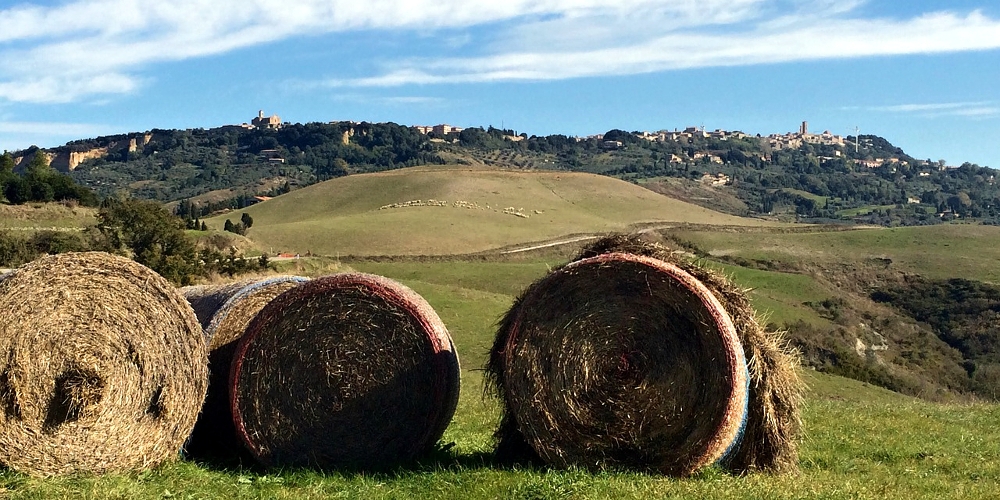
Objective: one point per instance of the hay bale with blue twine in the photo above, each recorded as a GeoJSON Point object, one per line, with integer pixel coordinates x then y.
{"type": "Point", "coordinates": [630, 357]}
{"type": "Point", "coordinates": [224, 312]}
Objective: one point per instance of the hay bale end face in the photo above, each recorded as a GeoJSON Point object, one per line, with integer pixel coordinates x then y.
{"type": "Point", "coordinates": [620, 360]}
{"type": "Point", "coordinates": [225, 311]}
{"type": "Point", "coordinates": [349, 370]}
{"type": "Point", "coordinates": [769, 441]}
{"type": "Point", "coordinates": [103, 366]}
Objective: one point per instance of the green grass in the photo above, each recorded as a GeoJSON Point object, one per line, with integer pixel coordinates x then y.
{"type": "Point", "coordinates": [342, 216]}
{"type": "Point", "coordinates": [865, 210]}
{"type": "Point", "coordinates": [779, 297]}
{"type": "Point", "coordinates": [820, 200]}
{"type": "Point", "coordinates": [938, 252]}
{"type": "Point", "coordinates": [860, 441]}
{"type": "Point", "coordinates": [38, 216]}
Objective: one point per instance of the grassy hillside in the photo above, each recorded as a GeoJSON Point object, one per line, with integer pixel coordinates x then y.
{"type": "Point", "coordinates": [343, 216]}
{"type": "Point", "coordinates": [942, 251]}
{"type": "Point", "coordinates": [35, 216]}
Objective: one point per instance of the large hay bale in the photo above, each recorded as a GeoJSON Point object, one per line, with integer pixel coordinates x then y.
{"type": "Point", "coordinates": [348, 370]}
{"type": "Point", "coordinates": [620, 360]}
{"type": "Point", "coordinates": [102, 366]}
{"type": "Point", "coordinates": [225, 311]}
{"type": "Point", "coordinates": [769, 439]}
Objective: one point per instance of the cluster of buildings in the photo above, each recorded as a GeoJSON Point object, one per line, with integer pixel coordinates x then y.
{"type": "Point", "coordinates": [795, 140]}
{"type": "Point", "coordinates": [689, 134]}
{"type": "Point", "coordinates": [438, 130]}
{"type": "Point", "coordinates": [261, 121]}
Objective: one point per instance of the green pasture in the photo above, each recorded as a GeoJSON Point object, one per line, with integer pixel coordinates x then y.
{"type": "Point", "coordinates": [938, 252]}
{"type": "Point", "coordinates": [820, 200]}
{"type": "Point", "coordinates": [39, 216]}
{"type": "Point", "coordinates": [859, 441]}
{"type": "Point", "coordinates": [779, 297]}
{"type": "Point", "coordinates": [344, 217]}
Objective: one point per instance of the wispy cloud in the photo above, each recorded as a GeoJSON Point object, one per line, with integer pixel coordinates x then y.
{"type": "Point", "coordinates": [19, 134]}
{"type": "Point", "coordinates": [976, 109]}
{"type": "Point", "coordinates": [783, 39]}
{"type": "Point", "coordinates": [51, 128]}
{"type": "Point", "coordinates": [359, 98]}
{"type": "Point", "coordinates": [84, 48]}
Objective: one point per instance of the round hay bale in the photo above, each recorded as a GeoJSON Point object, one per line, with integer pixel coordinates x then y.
{"type": "Point", "coordinates": [225, 311]}
{"type": "Point", "coordinates": [769, 441]}
{"type": "Point", "coordinates": [620, 360]}
{"type": "Point", "coordinates": [206, 300]}
{"type": "Point", "coordinates": [348, 370]}
{"type": "Point", "coordinates": [102, 366]}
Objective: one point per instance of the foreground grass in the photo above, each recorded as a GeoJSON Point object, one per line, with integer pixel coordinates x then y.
{"type": "Point", "coordinates": [859, 441]}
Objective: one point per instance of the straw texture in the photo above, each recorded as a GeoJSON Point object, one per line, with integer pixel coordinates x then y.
{"type": "Point", "coordinates": [225, 311]}
{"type": "Point", "coordinates": [770, 439]}
{"type": "Point", "coordinates": [102, 366]}
{"type": "Point", "coordinates": [620, 360]}
{"type": "Point", "coordinates": [348, 370]}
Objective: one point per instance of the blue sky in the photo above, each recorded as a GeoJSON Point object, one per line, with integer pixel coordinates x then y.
{"type": "Point", "coordinates": [924, 74]}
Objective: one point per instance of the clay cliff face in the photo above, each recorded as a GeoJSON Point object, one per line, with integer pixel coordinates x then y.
{"type": "Point", "coordinates": [65, 160]}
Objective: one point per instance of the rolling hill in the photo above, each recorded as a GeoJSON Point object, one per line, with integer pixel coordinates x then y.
{"type": "Point", "coordinates": [457, 209]}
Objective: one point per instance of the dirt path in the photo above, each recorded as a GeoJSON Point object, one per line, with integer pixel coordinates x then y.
{"type": "Point", "coordinates": [553, 244]}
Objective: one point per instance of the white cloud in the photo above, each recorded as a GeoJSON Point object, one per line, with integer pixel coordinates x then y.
{"type": "Point", "coordinates": [424, 101]}
{"type": "Point", "coordinates": [45, 129]}
{"type": "Point", "coordinates": [16, 135]}
{"type": "Point", "coordinates": [977, 109]}
{"type": "Point", "coordinates": [83, 48]}
{"type": "Point", "coordinates": [774, 41]}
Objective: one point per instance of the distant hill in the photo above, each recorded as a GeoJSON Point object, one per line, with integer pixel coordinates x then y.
{"type": "Point", "coordinates": [796, 176]}
{"type": "Point", "coordinates": [457, 209]}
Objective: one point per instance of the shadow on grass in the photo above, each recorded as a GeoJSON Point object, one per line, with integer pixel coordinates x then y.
{"type": "Point", "coordinates": [440, 459]}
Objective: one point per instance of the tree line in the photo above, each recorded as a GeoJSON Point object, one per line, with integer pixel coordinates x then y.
{"type": "Point", "coordinates": [140, 229]}
{"type": "Point", "coordinates": [39, 182]}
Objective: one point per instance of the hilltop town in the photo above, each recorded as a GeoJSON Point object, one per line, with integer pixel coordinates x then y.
{"type": "Point", "coordinates": [813, 176]}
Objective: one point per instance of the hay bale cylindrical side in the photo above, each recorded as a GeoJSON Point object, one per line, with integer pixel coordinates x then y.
{"type": "Point", "coordinates": [103, 366]}
{"type": "Point", "coordinates": [225, 311]}
{"type": "Point", "coordinates": [206, 300]}
{"type": "Point", "coordinates": [621, 360]}
{"type": "Point", "coordinates": [770, 439]}
{"type": "Point", "coordinates": [348, 370]}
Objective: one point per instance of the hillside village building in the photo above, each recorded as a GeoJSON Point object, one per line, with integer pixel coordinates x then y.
{"type": "Point", "coordinates": [439, 130]}
{"type": "Point", "coordinates": [273, 121]}
{"type": "Point", "coordinates": [797, 139]}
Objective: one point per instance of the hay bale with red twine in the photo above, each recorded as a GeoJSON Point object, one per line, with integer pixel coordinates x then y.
{"type": "Point", "coordinates": [350, 370]}
{"type": "Point", "coordinates": [225, 311]}
{"type": "Point", "coordinates": [103, 366]}
{"type": "Point", "coordinates": [632, 357]}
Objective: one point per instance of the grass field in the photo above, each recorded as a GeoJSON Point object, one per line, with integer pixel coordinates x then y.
{"type": "Point", "coordinates": [859, 442]}
{"type": "Point", "coordinates": [343, 216]}
{"type": "Point", "coordinates": [37, 216]}
{"type": "Point", "coordinates": [937, 252]}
